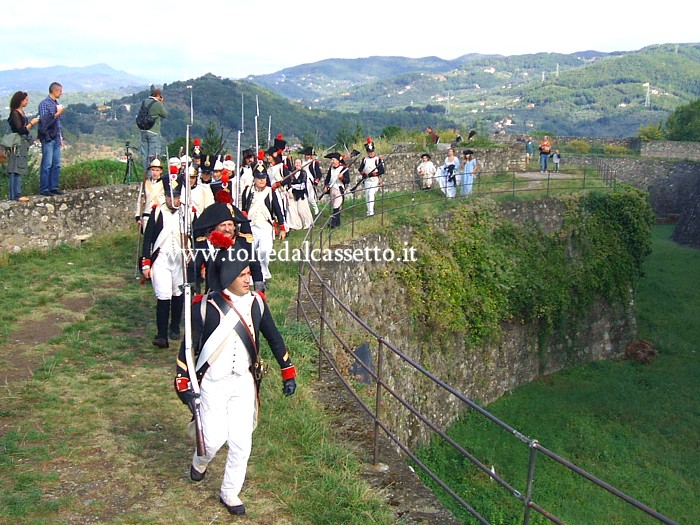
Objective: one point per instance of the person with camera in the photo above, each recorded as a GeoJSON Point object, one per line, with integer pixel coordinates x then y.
{"type": "Point", "coordinates": [150, 138]}
{"type": "Point", "coordinates": [51, 137]}
{"type": "Point", "coordinates": [17, 160]}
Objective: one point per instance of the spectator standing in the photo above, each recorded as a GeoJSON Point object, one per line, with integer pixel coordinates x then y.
{"type": "Point", "coordinates": [51, 137]}
{"type": "Point", "coordinates": [17, 160]}
{"type": "Point", "coordinates": [470, 168]}
{"type": "Point", "coordinates": [448, 174]}
{"type": "Point", "coordinates": [434, 138]}
{"type": "Point", "coordinates": [556, 157]}
{"type": "Point", "coordinates": [150, 138]}
{"type": "Point", "coordinates": [529, 150]}
{"type": "Point", "coordinates": [426, 169]}
{"type": "Point", "coordinates": [545, 150]}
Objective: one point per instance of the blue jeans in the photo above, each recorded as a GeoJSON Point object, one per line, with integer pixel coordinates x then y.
{"type": "Point", "coordinates": [150, 147]}
{"type": "Point", "coordinates": [543, 161]}
{"type": "Point", "coordinates": [467, 183]}
{"type": "Point", "coordinates": [50, 165]}
{"type": "Point", "coordinates": [15, 186]}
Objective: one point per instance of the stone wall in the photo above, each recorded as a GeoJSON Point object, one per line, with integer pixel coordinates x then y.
{"type": "Point", "coordinates": [46, 222]}
{"type": "Point", "coordinates": [483, 374]}
{"type": "Point", "coordinates": [666, 149]}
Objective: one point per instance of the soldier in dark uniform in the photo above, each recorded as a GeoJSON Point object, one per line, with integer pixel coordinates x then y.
{"type": "Point", "coordinates": [162, 259]}
{"type": "Point", "coordinates": [226, 326]}
{"type": "Point", "coordinates": [337, 179]}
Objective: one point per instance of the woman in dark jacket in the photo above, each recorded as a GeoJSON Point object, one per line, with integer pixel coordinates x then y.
{"type": "Point", "coordinates": [17, 160]}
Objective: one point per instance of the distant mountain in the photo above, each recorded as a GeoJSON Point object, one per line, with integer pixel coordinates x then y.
{"type": "Point", "coordinates": [584, 93]}
{"type": "Point", "coordinates": [98, 77]}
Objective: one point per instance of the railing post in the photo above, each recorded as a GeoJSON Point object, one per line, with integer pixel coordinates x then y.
{"type": "Point", "coordinates": [299, 277]}
{"type": "Point", "coordinates": [378, 401]}
{"type": "Point", "coordinates": [530, 481]}
{"type": "Point", "coordinates": [382, 215]}
{"type": "Point", "coordinates": [321, 322]}
{"type": "Point", "coordinates": [548, 179]}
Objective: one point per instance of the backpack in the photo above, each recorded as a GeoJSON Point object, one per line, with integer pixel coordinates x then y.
{"type": "Point", "coordinates": [143, 119]}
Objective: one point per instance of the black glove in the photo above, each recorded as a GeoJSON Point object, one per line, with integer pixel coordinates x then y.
{"type": "Point", "coordinates": [289, 386]}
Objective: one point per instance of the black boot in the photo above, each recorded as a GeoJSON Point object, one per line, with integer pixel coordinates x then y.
{"type": "Point", "coordinates": [335, 218]}
{"type": "Point", "coordinates": [177, 304]}
{"type": "Point", "coordinates": [162, 316]}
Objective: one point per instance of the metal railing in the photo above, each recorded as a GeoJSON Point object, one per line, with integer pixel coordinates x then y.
{"type": "Point", "coordinates": [319, 306]}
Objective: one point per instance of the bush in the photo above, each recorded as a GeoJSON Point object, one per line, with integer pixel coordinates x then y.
{"type": "Point", "coordinates": [579, 146]}
{"type": "Point", "coordinates": [614, 150]}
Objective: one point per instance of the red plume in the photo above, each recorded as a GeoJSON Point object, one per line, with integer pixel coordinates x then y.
{"type": "Point", "coordinates": [197, 142]}
{"type": "Point", "coordinates": [369, 139]}
{"type": "Point", "coordinates": [261, 155]}
{"type": "Point", "coordinates": [220, 240]}
{"type": "Point", "coordinates": [279, 136]}
{"type": "Point", "coordinates": [173, 170]}
{"type": "Point", "coordinates": [228, 157]}
{"type": "Point", "coordinates": [225, 175]}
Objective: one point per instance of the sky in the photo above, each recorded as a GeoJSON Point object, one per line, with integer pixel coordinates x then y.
{"type": "Point", "coordinates": [163, 43]}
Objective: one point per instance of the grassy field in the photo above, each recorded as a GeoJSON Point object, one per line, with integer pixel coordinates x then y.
{"type": "Point", "coordinates": [634, 426]}
{"type": "Point", "coordinates": [96, 434]}
{"type": "Point", "coordinates": [92, 432]}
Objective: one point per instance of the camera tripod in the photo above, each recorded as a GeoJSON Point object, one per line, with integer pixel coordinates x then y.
{"type": "Point", "coordinates": [130, 166]}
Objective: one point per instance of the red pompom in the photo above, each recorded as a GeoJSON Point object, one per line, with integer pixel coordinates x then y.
{"type": "Point", "coordinates": [220, 240]}
{"type": "Point", "coordinates": [369, 139]}
{"type": "Point", "coordinates": [197, 142]}
{"type": "Point", "coordinates": [223, 196]}
{"type": "Point", "coordinates": [279, 136]}
{"type": "Point", "coordinates": [261, 155]}
{"type": "Point", "coordinates": [173, 170]}
{"type": "Point", "coordinates": [228, 157]}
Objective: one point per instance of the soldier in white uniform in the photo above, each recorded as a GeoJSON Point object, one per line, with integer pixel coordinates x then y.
{"type": "Point", "coordinates": [226, 327]}
{"type": "Point", "coordinates": [314, 174]}
{"type": "Point", "coordinates": [162, 260]}
{"type": "Point", "coordinates": [371, 169]}
{"type": "Point", "coordinates": [262, 208]}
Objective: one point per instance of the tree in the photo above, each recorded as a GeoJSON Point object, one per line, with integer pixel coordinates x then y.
{"type": "Point", "coordinates": [684, 123]}
{"type": "Point", "coordinates": [651, 132]}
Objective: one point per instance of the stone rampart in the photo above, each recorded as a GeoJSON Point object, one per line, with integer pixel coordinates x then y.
{"type": "Point", "coordinates": [375, 293]}
{"type": "Point", "coordinates": [46, 222]}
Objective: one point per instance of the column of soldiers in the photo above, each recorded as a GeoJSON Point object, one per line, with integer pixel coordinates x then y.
{"type": "Point", "coordinates": [234, 213]}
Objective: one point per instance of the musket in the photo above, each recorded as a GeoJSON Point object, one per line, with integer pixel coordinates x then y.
{"type": "Point", "coordinates": [140, 203]}
{"type": "Point", "coordinates": [187, 292]}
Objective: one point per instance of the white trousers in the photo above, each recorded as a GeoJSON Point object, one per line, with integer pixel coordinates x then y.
{"type": "Point", "coordinates": [263, 236]}
{"type": "Point", "coordinates": [371, 187]}
{"type": "Point", "coordinates": [166, 276]}
{"type": "Point", "coordinates": [228, 416]}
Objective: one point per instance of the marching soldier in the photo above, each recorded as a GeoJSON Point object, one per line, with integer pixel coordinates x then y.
{"type": "Point", "coordinates": [151, 195]}
{"type": "Point", "coordinates": [262, 208]}
{"type": "Point", "coordinates": [336, 180]}
{"type": "Point", "coordinates": [162, 260]}
{"type": "Point", "coordinates": [371, 169]}
{"type": "Point", "coordinates": [226, 341]}
{"type": "Point", "coordinates": [314, 174]}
